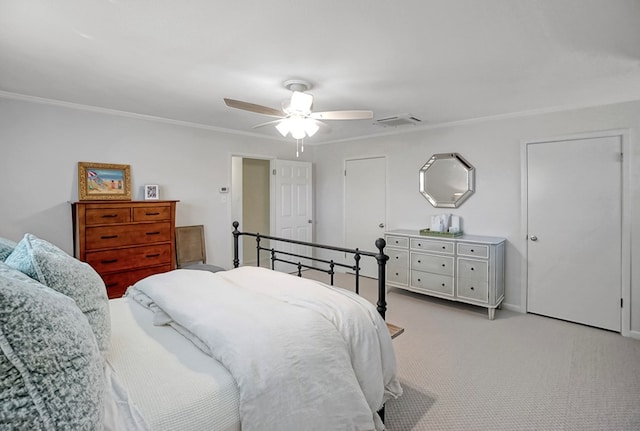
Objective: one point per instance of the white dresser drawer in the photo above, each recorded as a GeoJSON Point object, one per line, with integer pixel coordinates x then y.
{"type": "Point", "coordinates": [430, 245]}
{"type": "Point", "coordinates": [431, 263]}
{"type": "Point", "coordinates": [397, 266]}
{"type": "Point", "coordinates": [396, 241]}
{"type": "Point", "coordinates": [473, 269]}
{"type": "Point", "coordinates": [473, 250]}
{"type": "Point", "coordinates": [433, 282]}
{"type": "Point", "coordinates": [473, 289]}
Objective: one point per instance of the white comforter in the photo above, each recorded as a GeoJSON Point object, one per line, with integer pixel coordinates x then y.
{"type": "Point", "coordinates": [305, 356]}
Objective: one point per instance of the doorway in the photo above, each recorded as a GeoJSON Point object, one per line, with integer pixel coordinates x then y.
{"type": "Point", "coordinates": [251, 203]}
{"type": "Point", "coordinates": [270, 197]}
{"type": "Point", "coordinates": [576, 252]}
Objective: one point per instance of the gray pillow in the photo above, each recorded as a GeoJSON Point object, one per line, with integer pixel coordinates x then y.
{"type": "Point", "coordinates": [51, 371]}
{"type": "Point", "coordinates": [52, 267]}
{"type": "Point", "coordinates": [6, 247]}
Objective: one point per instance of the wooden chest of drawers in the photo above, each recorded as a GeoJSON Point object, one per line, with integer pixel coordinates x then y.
{"type": "Point", "coordinates": [125, 241]}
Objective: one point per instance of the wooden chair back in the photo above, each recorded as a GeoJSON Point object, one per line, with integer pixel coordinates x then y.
{"type": "Point", "coordinates": [190, 245]}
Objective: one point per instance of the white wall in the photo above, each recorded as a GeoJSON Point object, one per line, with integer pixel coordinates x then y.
{"type": "Point", "coordinates": [493, 147]}
{"type": "Point", "coordinates": [42, 144]}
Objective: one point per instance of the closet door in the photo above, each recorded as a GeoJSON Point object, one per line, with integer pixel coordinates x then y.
{"type": "Point", "coordinates": [574, 212]}
{"type": "Point", "coordinates": [365, 208]}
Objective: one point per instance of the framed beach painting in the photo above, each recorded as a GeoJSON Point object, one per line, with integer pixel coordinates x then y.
{"type": "Point", "coordinates": [104, 181]}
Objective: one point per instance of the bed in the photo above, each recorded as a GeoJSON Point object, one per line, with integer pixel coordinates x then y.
{"type": "Point", "coordinates": [172, 354]}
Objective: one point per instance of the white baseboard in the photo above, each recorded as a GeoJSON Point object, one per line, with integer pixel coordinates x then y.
{"type": "Point", "coordinates": [512, 307]}
{"type": "Point", "coordinates": [634, 334]}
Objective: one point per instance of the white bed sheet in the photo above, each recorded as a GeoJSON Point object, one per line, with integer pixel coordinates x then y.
{"type": "Point", "coordinates": [174, 385]}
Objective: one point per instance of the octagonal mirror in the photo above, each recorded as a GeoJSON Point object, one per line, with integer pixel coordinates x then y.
{"type": "Point", "coordinates": [447, 180]}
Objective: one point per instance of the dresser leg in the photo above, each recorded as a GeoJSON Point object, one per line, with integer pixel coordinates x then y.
{"type": "Point", "coordinates": [492, 313]}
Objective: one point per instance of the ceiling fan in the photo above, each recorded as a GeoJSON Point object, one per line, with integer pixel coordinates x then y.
{"type": "Point", "coordinates": [296, 117]}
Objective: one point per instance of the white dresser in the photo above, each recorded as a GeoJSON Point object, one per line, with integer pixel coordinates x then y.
{"type": "Point", "coordinates": [468, 268]}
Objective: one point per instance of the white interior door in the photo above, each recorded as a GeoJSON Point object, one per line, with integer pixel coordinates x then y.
{"type": "Point", "coordinates": [292, 206]}
{"type": "Point", "coordinates": [574, 216]}
{"type": "Point", "coordinates": [365, 207]}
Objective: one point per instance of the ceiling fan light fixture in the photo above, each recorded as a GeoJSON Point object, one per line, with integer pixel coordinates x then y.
{"type": "Point", "coordinates": [301, 102]}
{"type": "Point", "coordinates": [283, 128]}
{"type": "Point", "coordinates": [310, 127]}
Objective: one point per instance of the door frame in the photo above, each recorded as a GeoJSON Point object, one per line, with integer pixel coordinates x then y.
{"type": "Point", "coordinates": [623, 134]}
{"type": "Point", "coordinates": [237, 194]}
{"type": "Point", "coordinates": [344, 193]}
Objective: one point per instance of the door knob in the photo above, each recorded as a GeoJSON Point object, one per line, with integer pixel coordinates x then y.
{"type": "Point", "coordinates": [533, 238]}
{"type": "Point", "coordinates": [381, 225]}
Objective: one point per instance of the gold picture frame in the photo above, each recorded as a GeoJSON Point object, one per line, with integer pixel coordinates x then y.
{"type": "Point", "coordinates": [104, 181]}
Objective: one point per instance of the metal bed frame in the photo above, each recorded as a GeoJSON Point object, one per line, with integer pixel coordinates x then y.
{"type": "Point", "coordinates": [329, 265]}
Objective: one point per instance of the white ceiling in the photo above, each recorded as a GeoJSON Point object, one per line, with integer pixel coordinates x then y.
{"type": "Point", "coordinates": [440, 60]}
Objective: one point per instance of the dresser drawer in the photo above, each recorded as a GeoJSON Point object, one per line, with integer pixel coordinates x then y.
{"type": "Point", "coordinates": [473, 250]}
{"type": "Point", "coordinates": [430, 263]}
{"type": "Point", "coordinates": [430, 245]}
{"type": "Point", "coordinates": [101, 237]}
{"type": "Point", "coordinates": [150, 213]}
{"type": "Point", "coordinates": [95, 216]}
{"type": "Point", "coordinates": [473, 269]}
{"type": "Point", "coordinates": [397, 241]}
{"type": "Point", "coordinates": [129, 258]}
{"type": "Point", "coordinates": [398, 266]}
{"type": "Point", "coordinates": [118, 282]}
{"type": "Point", "coordinates": [433, 282]}
{"type": "Point", "coordinates": [473, 289]}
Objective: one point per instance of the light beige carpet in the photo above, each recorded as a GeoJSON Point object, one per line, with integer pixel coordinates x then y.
{"type": "Point", "coordinates": [461, 371]}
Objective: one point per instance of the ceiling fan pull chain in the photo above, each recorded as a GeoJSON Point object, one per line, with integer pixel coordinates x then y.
{"type": "Point", "coordinates": [297, 148]}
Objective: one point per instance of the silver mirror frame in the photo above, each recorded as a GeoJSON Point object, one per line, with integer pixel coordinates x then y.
{"type": "Point", "coordinates": [464, 193]}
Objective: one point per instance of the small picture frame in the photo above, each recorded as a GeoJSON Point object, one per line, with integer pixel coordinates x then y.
{"type": "Point", "coordinates": [104, 181]}
{"type": "Point", "coordinates": [151, 192]}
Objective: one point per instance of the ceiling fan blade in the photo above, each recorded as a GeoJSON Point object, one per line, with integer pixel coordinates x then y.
{"type": "Point", "coordinates": [343, 115]}
{"type": "Point", "coordinates": [268, 123]}
{"type": "Point", "coordinates": [252, 107]}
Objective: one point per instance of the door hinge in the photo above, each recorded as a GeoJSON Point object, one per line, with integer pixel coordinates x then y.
{"type": "Point", "coordinates": [621, 157]}
{"type": "Point", "coordinates": [273, 172]}
{"type": "Point", "coordinates": [345, 172]}
{"type": "Point", "coordinates": [621, 301]}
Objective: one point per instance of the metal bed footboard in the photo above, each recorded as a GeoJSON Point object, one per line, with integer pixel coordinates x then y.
{"type": "Point", "coordinates": [287, 258]}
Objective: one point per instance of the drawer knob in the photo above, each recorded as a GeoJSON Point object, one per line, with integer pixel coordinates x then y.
{"type": "Point", "coordinates": [472, 288]}
{"type": "Point", "coordinates": [472, 250]}
{"type": "Point", "coordinates": [397, 273]}
{"type": "Point", "coordinates": [109, 261]}
{"type": "Point", "coordinates": [443, 247]}
{"type": "Point", "coordinates": [108, 236]}
{"type": "Point", "coordinates": [472, 268]}
{"type": "Point", "coordinates": [419, 280]}
{"type": "Point", "coordinates": [442, 284]}
{"type": "Point", "coordinates": [419, 244]}
{"type": "Point", "coordinates": [397, 257]}
{"type": "Point", "coordinates": [419, 261]}
{"type": "Point", "coordinates": [109, 215]}
{"type": "Point", "coordinates": [444, 265]}
{"type": "Point", "coordinates": [152, 214]}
